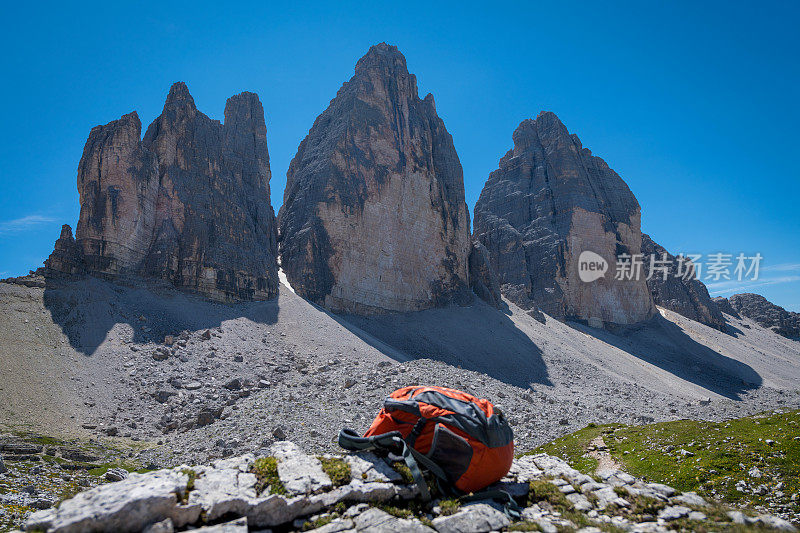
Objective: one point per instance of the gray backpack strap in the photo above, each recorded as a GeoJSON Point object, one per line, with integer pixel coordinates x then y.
{"type": "Point", "coordinates": [352, 441]}
{"type": "Point", "coordinates": [393, 442]}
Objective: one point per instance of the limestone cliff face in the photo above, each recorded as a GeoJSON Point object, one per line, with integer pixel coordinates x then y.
{"type": "Point", "coordinates": [214, 227]}
{"type": "Point", "coordinates": [688, 297]}
{"type": "Point", "coordinates": [189, 203]}
{"type": "Point", "coordinates": [550, 200]}
{"type": "Point", "coordinates": [374, 217]}
{"type": "Point", "coordinates": [118, 185]}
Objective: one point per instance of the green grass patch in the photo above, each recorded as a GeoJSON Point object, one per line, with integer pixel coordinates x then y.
{"type": "Point", "coordinates": [325, 519]}
{"type": "Point", "coordinates": [544, 491]}
{"type": "Point", "coordinates": [337, 469]}
{"type": "Point", "coordinates": [405, 472]}
{"type": "Point", "coordinates": [399, 512]}
{"type": "Point", "coordinates": [408, 509]}
{"type": "Point", "coordinates": [709, 458]}
{"type": "Point", "coordinates": [449, 506]}
{"type": "Point", "coordinates": [319, 522]}
{"type": "Point", "coordinates": [524, 526]}
{"type": "Point", "coordinates": [192, 475]}
{"type": "Point", "coordinates": [266, 471]}
{"type": "Point", "coordinates": [712, 457]}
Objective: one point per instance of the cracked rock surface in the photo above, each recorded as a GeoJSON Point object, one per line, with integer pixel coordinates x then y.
{"type": "Point", "coordinates": [222, 497]}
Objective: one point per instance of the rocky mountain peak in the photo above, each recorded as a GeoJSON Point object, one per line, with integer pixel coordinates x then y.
{"type": "Point", "coordinates": [189, 203]}
{"type": "Point", "coordinates": [244, 107]}
{"type": "Point", "coordinates": [382, 56]}
{"type": "Point", "coordinates": [179, 96]}
{"type": "Point", "coordinates": [377, 157]}
{"type": "Point", "coordinates": [549, 201]}
{"type": "Point", "coordinates": [382, 75]}
{"type": "Point", "coordinates": [765, 313]}
{"type": "Point", "coordinates": [244, 113]}
{"type": "Point", "coordinates": [66, 257]}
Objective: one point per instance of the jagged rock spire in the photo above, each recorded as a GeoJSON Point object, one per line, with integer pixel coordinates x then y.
{"type": "Point", "coordinates": [549, 201]}
{"type": "Point", "coordinates": [189, 203]}
{"type": "Point", "coordinates": [374, 216]}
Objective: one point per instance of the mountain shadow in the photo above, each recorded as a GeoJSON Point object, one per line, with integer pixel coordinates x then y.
{"type": "Point", "coordinates": [476, 337]}
{"type": "Point", "coordinates": [87, 308]}
{"type": "Point", "coordinates": [664, 344]}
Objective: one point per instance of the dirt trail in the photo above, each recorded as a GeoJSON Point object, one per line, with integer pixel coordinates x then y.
{"type": "Point", "coordinates": [605, 463]}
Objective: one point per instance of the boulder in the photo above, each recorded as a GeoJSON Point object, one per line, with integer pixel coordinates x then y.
{"type": "Point", "coordinates": [376, 521]}
{"type": "Point", "coordinates": [20, 448]}
{"type": "Point", "coordinates": [369, 467]}
{"type": "Point", "coordinates": [579, 501]}
{"type": "Point", "coordinates": [299, 473]}
{"type": "Point", "coordinates": [554, 219]}
{"type": "Point", "coordinates": [660, 488]}
{"type": "Point", "coordinates": [374, 217]}
{"type": "Point", "coordinates": [776, 523]}
{"type": "Point", "coordinates": [673, 512]}
{"type": "Point", "coordinates": [685, 295]}
{"type": "Point", "coordinates": [188, 203]}
{"type": "Point", "coordinates": [126, 506]}
{"type": "Point", "coordinates": [476, 518]}
{"type": "Point", "coordinates": [116, 474]}
{"type": "Point", "coordinates": [525, 469]}
{"type": "Point", "coordinates": [691, 499]}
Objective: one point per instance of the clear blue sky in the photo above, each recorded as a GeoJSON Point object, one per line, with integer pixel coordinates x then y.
{"type": "Point", "coordinates": [694, 104]}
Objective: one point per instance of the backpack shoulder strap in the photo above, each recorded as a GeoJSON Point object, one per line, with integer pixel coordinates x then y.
{"type": "Point", "coordinates": [352, 441]}
{"type": "Point", "coordinates": [393, 442]}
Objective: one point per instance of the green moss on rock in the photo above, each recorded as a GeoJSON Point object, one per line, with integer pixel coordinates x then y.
{"type": "Point", "coordinates": [266, 471]}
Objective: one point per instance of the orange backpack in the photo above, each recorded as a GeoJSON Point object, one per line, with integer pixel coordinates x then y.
{"type": "Point", "coordinates": [464, 441]}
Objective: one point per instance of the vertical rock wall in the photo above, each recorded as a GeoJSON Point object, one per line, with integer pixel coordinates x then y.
{"type": "Point", "coordinates": [189, 203]}
{"type": "Point", "coordinates": [374, 217]}
{"type": "Point", "coordinates": [549, 201]}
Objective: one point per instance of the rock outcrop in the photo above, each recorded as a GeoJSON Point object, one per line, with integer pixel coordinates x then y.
{"type": "Point", "coordinates": [66, 257]}
{"type": "Point", "coordinates": [725, 306]}
{"type": "Point", "coordinates": [767, 314]}
{"type": "Point", "coordinates": [549, 201]}
{"type": "Point", "coordinates": [688, 297]}
{"type": "Point", "coordinates": [482, 279]}
{"type": "Point", "coordinates": [189, 203]}
{"type": "Point", "coordinates": [374, 217]}
{"type": "Point", "coordinates": [231, 496]}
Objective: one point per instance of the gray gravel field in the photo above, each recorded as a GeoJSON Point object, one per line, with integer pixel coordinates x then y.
{"type": "Point", "coordinates": [196, 380]}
